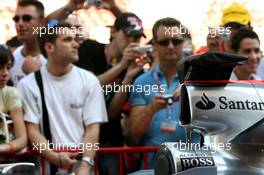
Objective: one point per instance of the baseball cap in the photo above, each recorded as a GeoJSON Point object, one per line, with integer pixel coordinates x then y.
{"type": "Point", "coordinates": [236, 13]}
{"type": "Point", "coordinates": [130, 23]}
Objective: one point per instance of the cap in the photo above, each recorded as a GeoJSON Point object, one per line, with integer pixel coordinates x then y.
{"type": "Point", "coordinates": [130, 23]}
{"type": "Point", "coordinates": [236, 13]}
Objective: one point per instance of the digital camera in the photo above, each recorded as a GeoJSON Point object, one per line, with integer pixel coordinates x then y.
{"type": "Point", "coordinates": [96, 3]}
{"type": "Point", "coordinates": [169, 98]}
{"type": "Point", "coordinates": [146, 49]}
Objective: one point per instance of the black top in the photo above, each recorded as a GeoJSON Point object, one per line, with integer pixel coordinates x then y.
{"type": "Point", "coordinates": [92, 57]}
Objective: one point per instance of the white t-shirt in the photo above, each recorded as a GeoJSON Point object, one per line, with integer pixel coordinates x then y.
{"type": "Point", "coordinates": [73, 101]}
{"type": "Point", "coordinates": [234, 77]}
{"type": "Point", "coordinates": [16, 71]}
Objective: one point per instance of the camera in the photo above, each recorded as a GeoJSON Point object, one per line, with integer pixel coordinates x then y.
{"type": "Point", "coordinates": [221, 32]}
{"type": "Point", "coordinates": [169, 98]}
{"type": "Point", "coordinates": [146, 49]}
{"type": "Point", "coordinates": [224, 35]}
{"type": "Point", "coordinates": [96, 3]}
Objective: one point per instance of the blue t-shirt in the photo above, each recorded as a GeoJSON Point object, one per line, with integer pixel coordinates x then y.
{"type": "Point", "coordinates": [153, 82]}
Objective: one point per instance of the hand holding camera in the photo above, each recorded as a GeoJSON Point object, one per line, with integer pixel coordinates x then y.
{"type": "Point", "coordinates": [158, 102]}
{"type": "Point", "coordinates": [146, 49]}
{"type": "Point", "coordinates": [130, 54]}
{"type": "Point", "coordinates": [169, 98]}
{"type": "Point", "coordinates": [145, 52]}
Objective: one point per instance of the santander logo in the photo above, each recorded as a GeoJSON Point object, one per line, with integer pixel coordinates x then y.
{"type": "Point", "coordinates": [205, 103]}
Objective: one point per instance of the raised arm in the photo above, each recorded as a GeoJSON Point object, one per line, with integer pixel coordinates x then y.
{"type": "Point", "coordinates": [129, 55]}
{"type": "Point", "coordinates": [73, 5]}
{"type": "Point", "coordinates": [63, 12]}
{"type": "Point", "coordinates": [119, 99]}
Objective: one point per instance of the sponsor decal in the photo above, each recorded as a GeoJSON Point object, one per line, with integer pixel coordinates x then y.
{"type": "Point", "coordinates": [224, 103]}
{"type": "Point", "coordinates": [192, 162]}
{"type": "Point", "coordinates": [205, 103]}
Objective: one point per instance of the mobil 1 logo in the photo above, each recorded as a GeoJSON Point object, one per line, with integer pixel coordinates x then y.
{"type": "Point", "coordinates": [192, 162]}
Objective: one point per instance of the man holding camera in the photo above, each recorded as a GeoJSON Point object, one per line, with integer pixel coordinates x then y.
{"type": "Point", "coordinates": [235, 17]}
{"type": "Point", "coordinates": [154, 116]}
{"type": "Point", "coordinates": [114, 64]}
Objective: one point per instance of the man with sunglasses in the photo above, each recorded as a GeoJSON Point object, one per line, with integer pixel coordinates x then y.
{"type": "Point", "coordinates": [154, 117]}
{"type": "Point", "coordinates": [245, 42]}
{"type": "Point", "coordinates": [28, 17]}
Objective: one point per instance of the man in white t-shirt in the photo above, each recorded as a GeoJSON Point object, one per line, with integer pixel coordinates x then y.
{"type": "Point", "coordinates": [73, 98]}
{"type": "Point", "coordinates": [245, 42]}
{"type": "Point", "coordinates": [29, 16]}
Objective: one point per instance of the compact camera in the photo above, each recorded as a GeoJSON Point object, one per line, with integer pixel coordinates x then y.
{"type": "Point", "coordinates": [169, 98]}
{"type": "Point", "coordinates": [222, 32]}
{"type": "Point", "coordinates": [146, 49]}
{"type": "Point", "coordinates": [96, 3]}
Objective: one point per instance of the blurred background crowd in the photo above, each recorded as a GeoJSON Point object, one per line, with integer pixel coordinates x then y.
{"type": "Point", "coordinates": [197, 17]}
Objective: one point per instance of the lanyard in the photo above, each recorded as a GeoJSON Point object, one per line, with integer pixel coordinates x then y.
{"type": "Point", "coordinates": [169, 105]}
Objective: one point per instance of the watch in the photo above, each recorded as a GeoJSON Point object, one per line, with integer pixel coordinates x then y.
{"type": "Point", "coordinates": [89, 160]}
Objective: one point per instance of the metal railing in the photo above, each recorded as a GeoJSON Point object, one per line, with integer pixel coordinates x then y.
{"type": "Point", "coordinates": [121, 151]}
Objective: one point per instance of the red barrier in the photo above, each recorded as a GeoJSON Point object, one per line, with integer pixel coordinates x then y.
{"type": "Point", "coordinates": [122, 150]}
{"type": "Point", "coordinates": [107, 150]}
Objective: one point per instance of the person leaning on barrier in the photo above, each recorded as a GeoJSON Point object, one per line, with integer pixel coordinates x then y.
{"type": "Point", "coordinates": [11, 104]}
{"type": "Point", "coordinates": [245, 42]}
{"type": "Point", "coordinates": [74, 102]}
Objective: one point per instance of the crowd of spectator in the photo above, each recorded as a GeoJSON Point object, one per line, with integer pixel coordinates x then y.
{"type": "Point", "coordinates": [60, 88]}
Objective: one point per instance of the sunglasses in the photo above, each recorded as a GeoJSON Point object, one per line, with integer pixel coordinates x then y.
{"type": "Point", "coordinates": [166, 41]}
{"type": "Point", "coordinates": [25, 18]}
{"type": "Point", "coordinates": [249, 50]}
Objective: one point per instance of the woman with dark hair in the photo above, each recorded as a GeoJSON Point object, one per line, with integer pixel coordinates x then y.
{"type": "Point", "coordinates": [10, 105]}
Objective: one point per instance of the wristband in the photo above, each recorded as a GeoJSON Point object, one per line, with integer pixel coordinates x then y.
{"type": "Point", "coordinates": [88, 160]}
